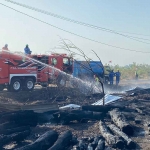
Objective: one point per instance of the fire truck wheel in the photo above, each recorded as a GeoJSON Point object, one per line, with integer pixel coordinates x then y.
{"type": "Point", "coordinates": [15, 85]}
{"type": "Point", "coordinates": [29, 84]}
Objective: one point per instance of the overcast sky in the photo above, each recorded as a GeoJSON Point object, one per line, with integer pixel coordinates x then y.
{"type": "Point", "coordinates": [132, 16]}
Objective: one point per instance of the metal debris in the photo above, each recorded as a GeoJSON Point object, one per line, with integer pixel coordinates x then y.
{"type": "Point", "coordinates": [108, 99]}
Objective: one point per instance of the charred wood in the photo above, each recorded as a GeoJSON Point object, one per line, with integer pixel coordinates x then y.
{"type": "Point", "coordinates": [109, 148]}
{"type": "Point", "coordinates": [79, 115]}
{"type": "Point", "coordinates": [5, 139]}
{"type": "Point", "coordinates": [90, 139]}
{"type": "Point", "coordinates": [75, 147]}
{"type": "Point", "coordinates": [139, 110]}
{"type": "Point", "coordinates": [45, 117]}
{"type": "Point", "coordinates": [63, 141]}
{"type": "Point", "coordinates": [98, 115]}
{"type": "Point", "coordinates": [95, 142]}
{"type": "Point", "coordinates": [7, 125]}
{"type": "Point", "coordinates": [82, 145]}
{"type": "Point", "coordinates": [138, 120]}
{"type": "Point", "coordinates": [21, 118]}
{"type": "Point", "coordinates": [115, 141]}
{"type": "Point", "coordinates": [74, 141]}
{"type": "Point", "coordinates": [90, 147]}
{"type": "Point", "coordinates": [119, 119]}
{"type": "Point", "coordinates": [101, 145]}
{"type": "Point", "coordinates": [43, 142]}
{"type": "Point", "coordinates": [149, 129]}
{"type": "Point", "coordinates": [14, 130]}
{"type": "Point", "coordinates": [100, 108]}
{"type": "Point", "coordinates": [14, 115]}
{"type": "Point", "coordinates": [128, 141]}
{"type": "Point", "coordinates": [147, 123]}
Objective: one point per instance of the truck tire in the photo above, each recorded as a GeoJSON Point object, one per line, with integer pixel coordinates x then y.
{"type": "Point", "coordinates": [1, 87]}
{"type": "Point", "coordinates": [15, 85]}
{"type": "Point", "coordinates": [29, 84]}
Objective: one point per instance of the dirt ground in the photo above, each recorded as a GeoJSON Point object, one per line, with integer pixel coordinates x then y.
{"type": "Point", "coordinates": [91, 128]}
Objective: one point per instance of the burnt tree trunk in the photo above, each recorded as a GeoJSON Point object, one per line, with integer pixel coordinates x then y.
{"type": "Point", "coordinates": [14, 130]}
{"type": "Point", "coordinates": [43, 142]}
{"type": "Point", "coordinates": [5, 139]}
{"type": "Point", "coordinates": [147, 123]}
{"type": "Point", "coordinates": [63, 141]}
{"type": "Point", "coordinates": [27, 117]}
{"type": "Point", "coordinates": [101, 145]}
{"type": "Point", "coordinates": [128, 141]}
{"type": "Point", "coordinates": [115, 141]}
{"type": "Point", "coordinates": [7, 125]}
{"type": "Point", "coordinates": [100, 108]}
{"type": "Point", "coordinates": [95, 142]}
{"type": "Point", "coordinates": [119, 119]}
{"type": "Point", "coordinates": [67, 116]}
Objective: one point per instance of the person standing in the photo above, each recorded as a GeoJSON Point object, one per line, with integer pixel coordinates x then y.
{"type": "Point", "coordinates": [111, 77]}
{"type": "Point", "coordinates": [136, 75]}
{"type": "Point", "coordinates": [96, 79]}
{"type": "Point", "coordinates": [5, 48]}
{"type": "Point", "coordinates": [27, 50]}
{"type": "Point", "coordinates": [117, 74]}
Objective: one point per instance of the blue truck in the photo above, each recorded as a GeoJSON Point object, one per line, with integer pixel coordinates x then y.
{"type": "Point", "coordinates": [85, 70]}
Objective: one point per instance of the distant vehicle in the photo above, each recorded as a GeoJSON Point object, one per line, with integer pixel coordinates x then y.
{"type": "Point", "coordinates": [18, 72]}
{"type": "Point", "coordinates": [84, 70]}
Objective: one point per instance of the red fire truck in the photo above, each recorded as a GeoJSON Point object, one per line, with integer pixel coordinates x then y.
{"type": "Point", "coordinates": [18, 72]}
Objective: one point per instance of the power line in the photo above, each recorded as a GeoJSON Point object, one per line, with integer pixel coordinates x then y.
{"type": "Point", "coordinates": [134, 33]}
{"type": "Point", "coordinates": [78, 22]}
{"type": "Point", "coordinates": [126, 49]}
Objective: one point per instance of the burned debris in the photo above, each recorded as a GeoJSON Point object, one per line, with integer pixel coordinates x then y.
{"type": "Point", "coordinates": [17, 126]}
{"type": "Point", "coordinates": [130, 144]}
{"type": "Point", "coordinates": [115, 141]}
{"type": "Point", "coordinates": [119, 119]}
{"type": "Point", "coordinates": [71, 122]}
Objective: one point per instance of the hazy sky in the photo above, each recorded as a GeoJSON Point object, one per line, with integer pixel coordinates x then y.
{"type": "Point", "coordinates": [132, 16]}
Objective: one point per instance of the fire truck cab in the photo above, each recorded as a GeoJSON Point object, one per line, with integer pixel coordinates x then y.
{"type": "Point", "coordinates": [52, 65]}
{"type": "Point", "coordinates": [59, 61]}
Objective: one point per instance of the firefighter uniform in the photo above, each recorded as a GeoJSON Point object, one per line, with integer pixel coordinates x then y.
{"type": "Point", "coordinates": [27, 50]}
{"type": "Point", "coordinates": [111, 77]}
{"type": "Point", "coordinates": [118, 74]}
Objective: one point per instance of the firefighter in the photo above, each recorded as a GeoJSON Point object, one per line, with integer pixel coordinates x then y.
{"type": "Point", "coordinates": [27, 50]}
{"type": "Point", "coordinates": [96, 79]}
{"type": "Point", "coordinates": [5, 48]}
{"type": "Point", "coordinates": [117, 74]}
{"type": "Point", "coordinates": [111, 77]}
